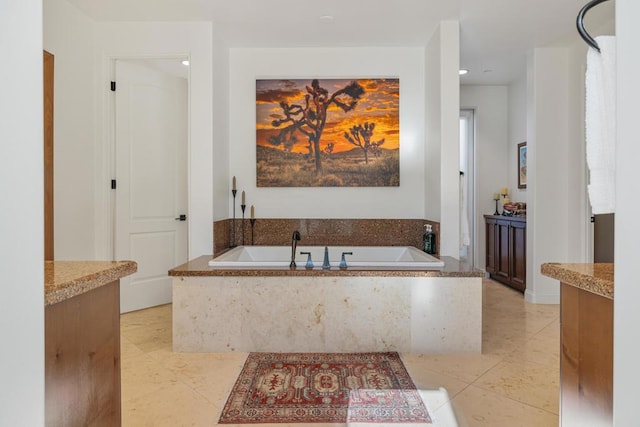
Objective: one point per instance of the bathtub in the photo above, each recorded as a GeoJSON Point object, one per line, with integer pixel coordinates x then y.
{"type": "Point", "coordinates": [382, 257]}
{"type": "Point", "coordinates": [358, 309]}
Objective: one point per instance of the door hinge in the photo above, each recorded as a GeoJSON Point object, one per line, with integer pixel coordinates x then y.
{"type": "Point", "coordinates": [113, 86]}
{"type": "Point", "coordinates": [113, 184]}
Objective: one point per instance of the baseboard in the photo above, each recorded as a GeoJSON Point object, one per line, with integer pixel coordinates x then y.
{"type": "Point", "coordinates": [538, 298]}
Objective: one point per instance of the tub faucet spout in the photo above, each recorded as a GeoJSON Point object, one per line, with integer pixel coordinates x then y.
{"type": "Point", "coordinates": [325, 263]}
{"type": "Point", "coordinates": [295, 238]}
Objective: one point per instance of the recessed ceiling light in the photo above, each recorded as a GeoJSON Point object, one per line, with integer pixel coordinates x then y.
{"type": "Point", "coordinates": [463, 72]}
{"type": "Point", "coordinates": [185, 62]}
{"type": "Point", "coordinates": [326, 18]}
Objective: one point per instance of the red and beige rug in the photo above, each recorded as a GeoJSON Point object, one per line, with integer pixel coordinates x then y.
{"type": "Point", "coordinates": [324, 387]}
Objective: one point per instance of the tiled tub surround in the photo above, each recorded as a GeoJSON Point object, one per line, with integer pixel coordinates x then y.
{"type": "Point", "coordinates": [321, 232]}
{"type": "Point", "coordinates": [358, 309]}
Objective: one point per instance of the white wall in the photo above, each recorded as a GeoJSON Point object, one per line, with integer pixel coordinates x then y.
{"type": "Point", "coordinates": [221, 179]}
{"type": "Point", "coordinates": [442, 145]}
{"type": "Point", "coordinates": [21, 216]}
{"type": "Point", "coordinates": [406, 201]}
{"type": "Point", "coordinates": [138, 39]}
{"type": "Point", "coordinates": [626, 351]}
{"type": "Point", "coordinates": [556, 214]}
{"type": "Point", "coordinates": [433, 119]}
{"type": "Point", "coordinates": [68, 35]}
{"type": "Point", "coordinates": [450, 172]}
{"type": "Point", "coordinates": [492, 117]}
{"type": "Point", "coordinates": [517, 134]}
{"type": "Point", "coordinates": [547, 153]}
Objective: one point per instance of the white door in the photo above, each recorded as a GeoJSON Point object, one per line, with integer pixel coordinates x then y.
{"type": "Point", "coordinates": [151, 180]}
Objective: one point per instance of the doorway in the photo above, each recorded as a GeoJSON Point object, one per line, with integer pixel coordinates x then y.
{"type": "Point", "coordinates": [468, 223]}
{"type": "Point", "coordinates": [150, 216]}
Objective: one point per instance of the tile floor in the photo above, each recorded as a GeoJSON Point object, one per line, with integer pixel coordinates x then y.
{"type": "Point", "coordinates": [514, 382]}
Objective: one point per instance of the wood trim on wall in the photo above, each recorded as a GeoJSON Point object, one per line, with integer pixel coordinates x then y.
{"type": "Point", "coordinates": [48, 67]}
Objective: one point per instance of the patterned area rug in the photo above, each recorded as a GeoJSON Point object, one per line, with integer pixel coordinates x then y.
{"type": "Point", "coordinates": [324, 387]}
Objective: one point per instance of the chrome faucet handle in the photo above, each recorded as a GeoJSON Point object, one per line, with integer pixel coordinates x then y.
{"type": "Point", "coordinates": [309, 264]}
{"type": "Point", "coordinates": [343, 262]}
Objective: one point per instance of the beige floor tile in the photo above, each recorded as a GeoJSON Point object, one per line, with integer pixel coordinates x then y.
{"type": "Point", "coordinates": [171, 406]}
{"type": "Point", "coordinates": [540, 349]}
{"type": "Point", "coordinates": [128, 349]}
{"type": "Point", "coordinates": [514, 382]}
{"type": "Point", "coordinates": [475, 407]}
{"type": "Point", "coordinates": [530, 383]}
{"type": "Point", "coordinates": [150, 338]}
{"type": "Point", "coordinates": [431, 381]}
{"type": "Point", "coordinates": [463, 367]}
{"type": "Point", "coordinates": [211, 374]}
{"type": "Point", "coordinates": [552, 330]}
{"type": "Point", "coordinates": [160, 315]}
{"type": "Point", "coordinates": [500, 344]}
{"type": "Point", "coordinates": [142, 375]}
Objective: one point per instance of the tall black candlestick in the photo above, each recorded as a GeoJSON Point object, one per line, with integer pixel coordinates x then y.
{"type": "Point", "coordinates": [233, 222]}
{"type": "Point", "coordinates": [252, 221]}
{"type": "Point", "coordinates": [243, 206]}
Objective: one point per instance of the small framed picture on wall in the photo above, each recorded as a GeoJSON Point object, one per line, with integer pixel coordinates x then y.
{"type": "Point", "coordinates": [522, 165]}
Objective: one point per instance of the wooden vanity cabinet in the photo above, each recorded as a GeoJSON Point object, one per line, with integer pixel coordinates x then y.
{"type": "Point", "coordinates": [506, 250]}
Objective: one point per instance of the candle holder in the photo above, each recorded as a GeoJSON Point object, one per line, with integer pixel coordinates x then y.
{"type": "Point", "coordinates": [496, 198]}
{"type": "Point", "coordinates": [504, 198]}
{"type": "Point", "coordinates": [252, 221]}
{"type": "Point", "coordinates": [243, 206]}
{"type": "Point", "coordinates": [233, 221]}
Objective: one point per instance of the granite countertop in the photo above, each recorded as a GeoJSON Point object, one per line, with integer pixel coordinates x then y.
{"type": "Point", "coordinates": [595, 278]}
{"type": "Point", "coordinates": [200, 267]}
{"type": "Point", "coordinates": [66, 279]}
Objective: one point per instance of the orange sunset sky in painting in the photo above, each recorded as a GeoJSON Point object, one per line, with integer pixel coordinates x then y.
{"type": "Point", "coordinates": [379, 104]}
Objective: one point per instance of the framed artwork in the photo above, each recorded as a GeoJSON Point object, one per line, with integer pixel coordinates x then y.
{"type": "Point", "coordinates": [522, 165]}
{"type": "Point", "coordinates": [328, 132]}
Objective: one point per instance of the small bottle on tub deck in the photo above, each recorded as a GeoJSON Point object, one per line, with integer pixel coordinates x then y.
{"type": "Point", "coordinates": [429, 240]}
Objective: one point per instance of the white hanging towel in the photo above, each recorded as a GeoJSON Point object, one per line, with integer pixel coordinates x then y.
{"type": "Point", "coordinates": [600, 119]}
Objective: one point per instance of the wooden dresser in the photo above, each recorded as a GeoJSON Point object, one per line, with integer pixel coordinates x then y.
{"type": "Point", "coordinates": [586, 342]}
{"type": "Point", "coordinates": [506, 250]}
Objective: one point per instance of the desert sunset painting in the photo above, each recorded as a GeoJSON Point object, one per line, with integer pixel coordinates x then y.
{"type": "Point", "coordinates": [328, 132]}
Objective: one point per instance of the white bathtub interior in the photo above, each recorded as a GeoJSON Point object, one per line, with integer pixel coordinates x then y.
{"type": "Point", "coordinates": [403, 257]}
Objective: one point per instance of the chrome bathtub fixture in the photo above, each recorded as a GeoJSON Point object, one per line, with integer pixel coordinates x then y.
{"type": "Point", "coordinates": [309, 264]}
{"type": "Point", "coordinates": [325, 263]}
{"type": "Point", "coordinates": [343, 262]}
{"type": "Point", "coordinates": [295, 238]}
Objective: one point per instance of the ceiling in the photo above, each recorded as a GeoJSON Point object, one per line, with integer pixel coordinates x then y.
{"type": "Point", "coordinates": [494, 34]}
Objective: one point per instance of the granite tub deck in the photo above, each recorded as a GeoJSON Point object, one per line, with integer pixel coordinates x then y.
{"type": "Point", "coordinates": [299, 310]}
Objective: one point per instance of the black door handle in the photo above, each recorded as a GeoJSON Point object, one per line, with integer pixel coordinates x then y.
{"type": "Point", "coordinates": [182, 217]}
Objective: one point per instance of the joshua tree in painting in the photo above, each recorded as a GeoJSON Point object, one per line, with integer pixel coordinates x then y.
{"type": "Point", "coordinates": [287, 143]}
{"type": "Point", "coordinates": [375, 149]}
{"type": "Point", "coordinates": [311, 117]}
{"type": "Point", "coordinates": [329, 148]}
{"type": "Point", "coordinates": [360, 136]}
